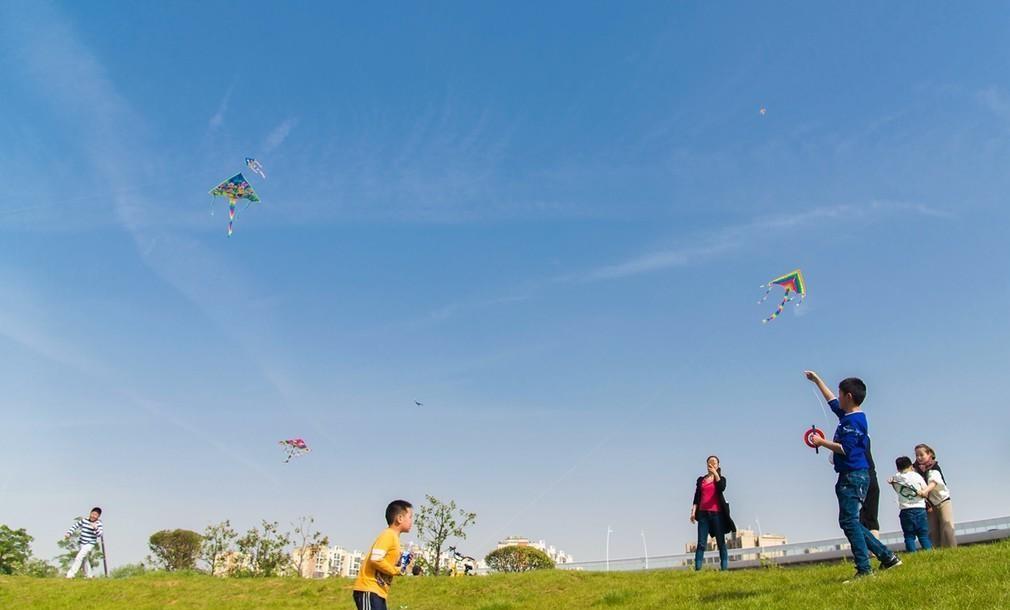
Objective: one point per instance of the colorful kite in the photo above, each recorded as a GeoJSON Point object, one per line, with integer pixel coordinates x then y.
{"type": "Point", "coordinates": [235, 188]}
{"type": "Point", "coordinates": [794, 284]}
{"type": "Point", "coordinates": [294, 447]}
{"type": "Point", "coordinates": [255, 166]}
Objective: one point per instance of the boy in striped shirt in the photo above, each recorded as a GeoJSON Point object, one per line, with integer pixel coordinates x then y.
{"type": "Point", "coordinates": [91, 531]}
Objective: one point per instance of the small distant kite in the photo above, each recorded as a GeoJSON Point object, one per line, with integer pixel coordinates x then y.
{"type": "Point", "coordinates": [418, 403]}
{"type": "Point", "coordinates": [763, 111]}
{"type": "Point", "coordinates": [794, 284]}
{"type": "Point", "coordinates": [294, 447]}
{"type": "Point", "coordinates": [255, 166]}
{"type": "Point", "coordinates": [235, 188]}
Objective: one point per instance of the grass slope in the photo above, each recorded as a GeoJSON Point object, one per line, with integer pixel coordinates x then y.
{"type": "Point", "coordinates": [975, 577]}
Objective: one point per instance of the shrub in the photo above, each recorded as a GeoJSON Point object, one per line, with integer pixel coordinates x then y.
{"type": "Point", "coordinates": [176, 549]}
{"type": "Point", "coordinates": [128, 571]}
{"type": "Point", "coordinates": [38, 568]}
{"type": "Point", "coordinates": [15, 549]}
{"type": "Point", "coordinates": [518, 559]}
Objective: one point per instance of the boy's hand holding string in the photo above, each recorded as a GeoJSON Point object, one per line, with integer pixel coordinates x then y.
{"type": "Point", "coordinates": [816, 440]}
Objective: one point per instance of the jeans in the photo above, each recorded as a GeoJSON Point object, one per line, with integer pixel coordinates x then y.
{"type": "Point", "coordinates": [710, 522]}
{"type": "Point", "coordinates": [851, 492]}
{"type": "Point", "coordinates": [914, 525]}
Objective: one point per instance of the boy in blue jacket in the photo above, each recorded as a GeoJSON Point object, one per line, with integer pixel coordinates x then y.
{"type": "Point", "coordinates": [849, 446]}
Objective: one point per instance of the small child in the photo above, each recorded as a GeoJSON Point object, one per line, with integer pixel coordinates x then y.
{"type": "Point", "coordinates": [907, 483]}
{"type": "Point", "coordinates": [848, 447]}
{"type": "Point", "coordinates": [91, 531]}
{"type": "Point", "coordinates": [371, 588]}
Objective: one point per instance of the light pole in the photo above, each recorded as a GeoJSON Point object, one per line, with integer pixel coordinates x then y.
{"type": "Point", "coordinates": [646, 547]}
{"type": "Point", "coordinates": [609, 532]}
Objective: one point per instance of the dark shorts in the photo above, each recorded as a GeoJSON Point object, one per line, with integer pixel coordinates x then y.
{"type": "Point", "coordinates": [868, 514]}
{"type": "Point", "coordinates": [368, 601]}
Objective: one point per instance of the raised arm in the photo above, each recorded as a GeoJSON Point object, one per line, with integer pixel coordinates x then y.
{"type": "Point", "coordinates": [73, 528]}
{"type": "Point", "coordinates": [825, 390]}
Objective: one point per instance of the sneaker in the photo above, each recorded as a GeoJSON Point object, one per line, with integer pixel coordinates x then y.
{"type": "Point", "coordinates": [858, 577]}
{"type": "Point", "coordinates": [893, 562]}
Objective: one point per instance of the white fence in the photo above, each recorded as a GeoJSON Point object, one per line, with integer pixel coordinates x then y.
{"type": "Point", "coordinates": [968, 532]}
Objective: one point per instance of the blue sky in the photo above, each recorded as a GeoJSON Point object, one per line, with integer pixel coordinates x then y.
{"type": "Point", "coordinates": [548, 224]}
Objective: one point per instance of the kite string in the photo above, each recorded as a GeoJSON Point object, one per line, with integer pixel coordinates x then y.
{"type": "Point", "coordinates": [820, 401]}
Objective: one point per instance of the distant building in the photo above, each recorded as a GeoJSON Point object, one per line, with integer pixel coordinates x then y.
{"type": "Point", "coordinates": [326, 562]}
{"type": "Point", "coordinates": [745, 539]}
{"type": "Point", "coordinates": [229, 562]}
{"type": "Point", "coordinates": [556, 555]}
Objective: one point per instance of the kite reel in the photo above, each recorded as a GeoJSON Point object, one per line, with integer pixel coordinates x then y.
{"type": "Point", "coordinates": [808, 438]}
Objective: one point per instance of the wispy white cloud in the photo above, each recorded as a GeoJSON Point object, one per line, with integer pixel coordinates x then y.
{"type": "Point", "coordinates": [280, 133]}
{"type": "Point", "coordinates": [218, 119]}
{"type": "Point", "coordinates": [23, 321]}
{"type": "Point", "coordinates": [996, 100]}
{"type": "Point", "coordinates": [656, 261]}
{"type": "Point", "coordinates": [72, 78]}
{"type": "Point", "coordinates": [447, 311]}
{"type": "Point", "coordinates": [734, 237]}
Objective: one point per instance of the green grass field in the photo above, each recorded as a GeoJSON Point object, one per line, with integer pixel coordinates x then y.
{"type": "Point", "coordinates": [974, 577]}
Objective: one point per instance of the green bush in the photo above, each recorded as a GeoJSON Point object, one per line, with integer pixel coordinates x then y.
{"type": "Point", "coordinates": [518, 559]}
{"type": "Point", "coordinates": [38, 568]}
{"type": "Point", "coordinates": [128, 571]}
{"type": "Point", "coordinates": [176, 549]}
{"type": "Point", "coordinates": [15, 549]}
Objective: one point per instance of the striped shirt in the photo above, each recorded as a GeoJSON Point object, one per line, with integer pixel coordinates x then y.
{"type": "Point", "coordinates": [90, 531]}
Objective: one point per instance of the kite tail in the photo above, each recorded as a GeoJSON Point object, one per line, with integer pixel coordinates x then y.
{"type": "Point", "coordinates": [231, 215]}
{"type": "Point", "coordinates": [767, 292]}
{"type": "Point", "coordinates": [788, 297]}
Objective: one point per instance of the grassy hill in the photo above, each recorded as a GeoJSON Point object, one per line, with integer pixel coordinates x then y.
{"type": "Point", "coordinates": [974, 577]}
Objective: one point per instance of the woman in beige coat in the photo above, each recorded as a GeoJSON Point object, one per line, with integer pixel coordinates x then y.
{"type": "Point", "coordinates": [940, 511]}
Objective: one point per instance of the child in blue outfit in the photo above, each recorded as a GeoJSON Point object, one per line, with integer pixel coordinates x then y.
{"type": "Point", "coordinates": [849, 446]}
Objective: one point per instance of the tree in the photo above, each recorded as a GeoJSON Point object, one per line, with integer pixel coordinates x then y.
{"type": "Point", "coordinates": [308, 543]}
{"type": "Point", "coordinates": [15, 549]}
{"type": "Point", "coordinates": [518, 559]}
{"type": "Point", "coordinates": [70, 546]}
{"type": "Point", "coordinates": [217, 540]}
{"type": "Point", "coordinates": [265, 553]}
{"type": "Point", "coordinates": [436, 522]}
{"type": "Point", "coordinates": [176, 549]}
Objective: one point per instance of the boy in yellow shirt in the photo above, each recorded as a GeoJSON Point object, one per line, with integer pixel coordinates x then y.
{"type": "Point", "coordinates": [371, 588]}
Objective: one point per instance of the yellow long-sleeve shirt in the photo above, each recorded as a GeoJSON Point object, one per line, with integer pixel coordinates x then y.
{"type": "Point", "coordinates": [380, 565]}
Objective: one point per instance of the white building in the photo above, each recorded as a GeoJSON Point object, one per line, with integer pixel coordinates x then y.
{"type": "Point", "coordinates": [745, 539]}
{"type": "Point", "coordinates": [326, 562]}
